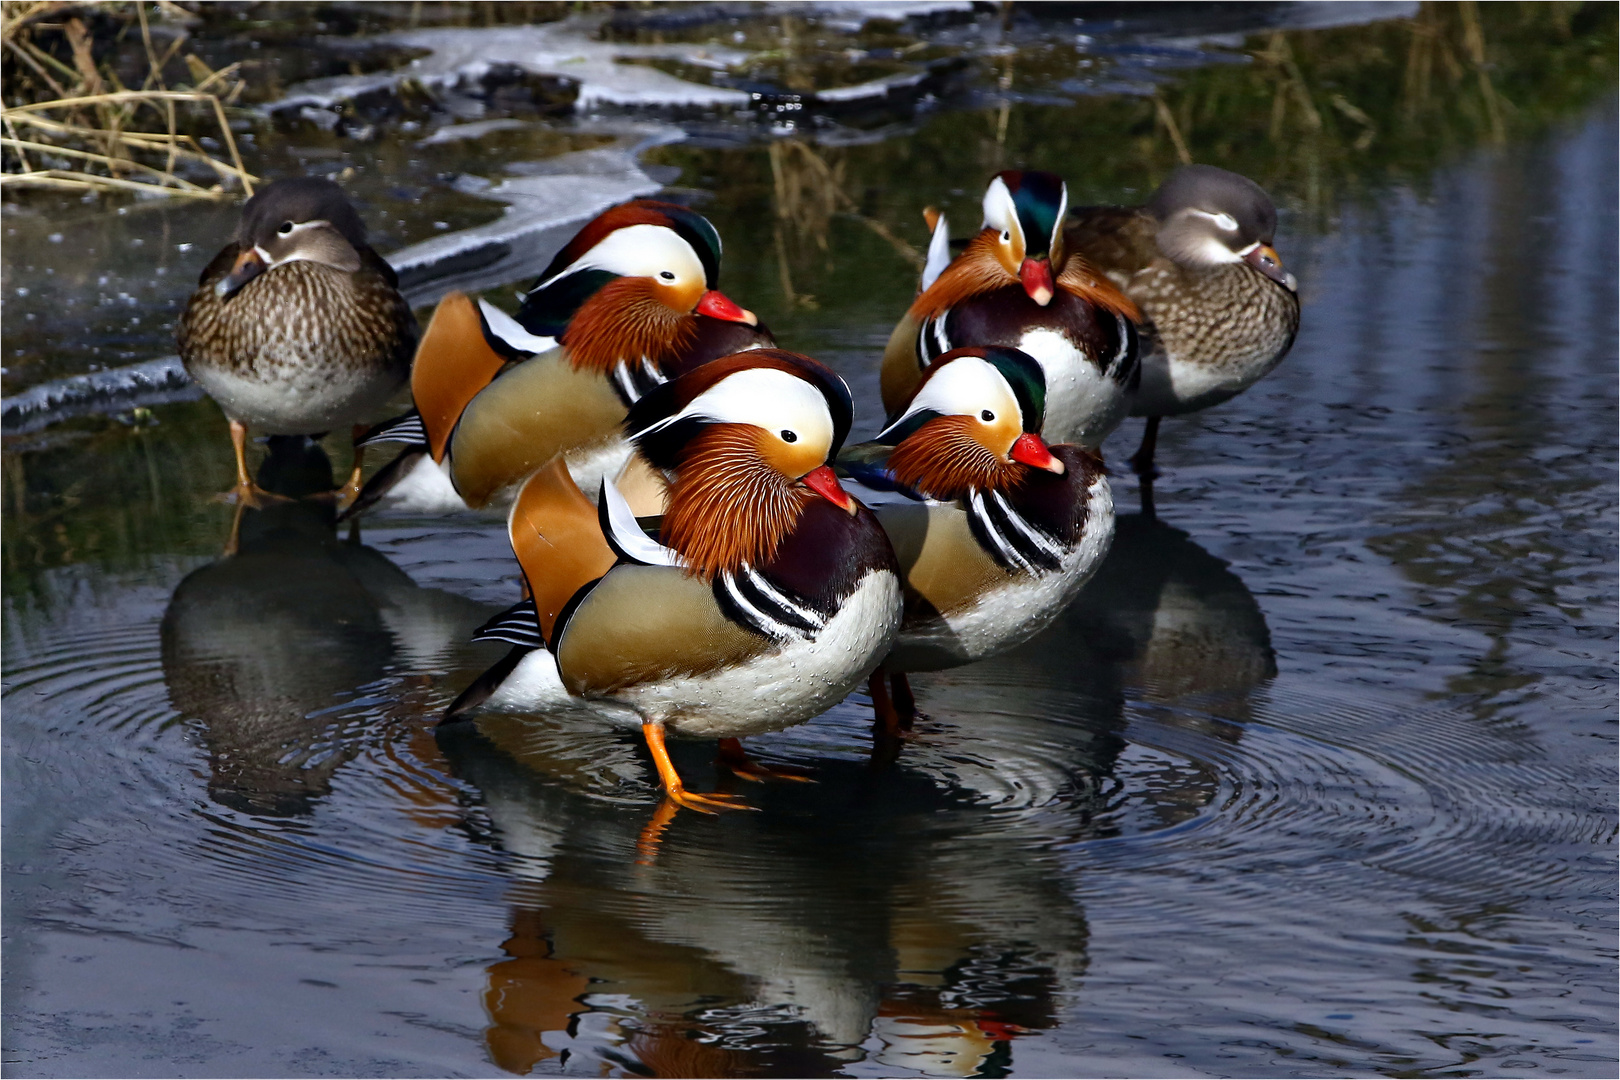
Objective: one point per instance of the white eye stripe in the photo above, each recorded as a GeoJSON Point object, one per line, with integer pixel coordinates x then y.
{"type": "Point", "coordinates": [1223, 221]}
{"type": "Point", "coordinates": [300, 226]}
{"type": "Point", "coordinates": [639, 251]}
{"type": "Point", "coordinates": [291, 256]}
{"type": "Point", "coordinates": [1055, 241]}
{"type": "Point", "coordinates": [999, 210]}
{"type": "Point", "coordinates": [766, 398]}
{"type": "Point", "coordinates": [964, 387]}
{"type": "Point", "coordinates": [939, 253]}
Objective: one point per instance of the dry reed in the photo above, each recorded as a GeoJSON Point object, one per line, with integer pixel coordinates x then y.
{"type": "Point", "coordinates": [74, 126]}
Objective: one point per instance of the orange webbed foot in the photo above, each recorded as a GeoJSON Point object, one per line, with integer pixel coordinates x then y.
{"type": "Point", "coordinates": [342, 497]}
{"type": "Point", "coordinates": [731, 756]}
{"type": "Point", "coordinates": [674, 790]}
{"type": "Point", "coordinates": [350, 491]}
{"type": "Point", "coordinates": [711, 803]}
{"type": "Point", "coordinates": [249, 495]}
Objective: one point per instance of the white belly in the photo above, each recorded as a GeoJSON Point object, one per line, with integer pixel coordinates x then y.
{"type": "Point", "coordinates": [1082, 403]}
{"type": "Point", "coordinates": [426, 489]}
{"type": "Point", "coordinates": [1172, 386]}
{"type": "Point", "coordinates": [588, 467]}
{"type": "Point", "coordinates": [299, 399]}
{"type": "Point", "coordinates": [1015, 612]}
{"type": "Point", "coordinates": [800, 680]}
{"type": "Point", "coordinates": [771, 692]}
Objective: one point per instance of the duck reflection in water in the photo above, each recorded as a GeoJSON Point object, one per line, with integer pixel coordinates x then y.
{"type": "Point", "coordinates": [1169, 619]}
{"type": "Point", "coordinates": [896, 920]}
{"type": "Point", "coordinates": [263, 647]}
{"type": "Point", "coordinates": [1164, 622]}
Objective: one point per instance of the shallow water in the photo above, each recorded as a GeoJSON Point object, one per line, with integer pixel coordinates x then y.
{"type": "Point", "coordinates": [1317, 778]}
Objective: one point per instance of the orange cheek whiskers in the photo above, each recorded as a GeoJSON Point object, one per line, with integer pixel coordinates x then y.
{"type": "Point", "coordinates": [977, 270]}
{"type": "Point", "coordinates": [727, 506]}
{"type": "Point", "coordinates": [944, 461]}
{"type": "Point", "coordinates": [625, 321]}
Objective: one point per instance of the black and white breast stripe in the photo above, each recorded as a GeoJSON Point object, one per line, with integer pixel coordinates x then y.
{"type": "Point", "coordinates": [932, 338]}
{"type": "Point", "coordinates": [1120, 366]}
{"type": "Point", "coordinates": [631, 381]}
{"type": "Point", "coordinates": [401, 429]}
{"type": "Point", "coordinates": [518, 624]}
{"type": "Point", "coordinates": [1011, 540]}
{"type": "Point", "coordinates": [750, 599]}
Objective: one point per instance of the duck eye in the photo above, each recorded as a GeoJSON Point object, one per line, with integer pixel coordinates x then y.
{"type": "Point", "coordinates": [1006, 235]}
{"type": "Point", "coordinates": [789, 435]}
{"type": "Point", "coordinates": [286, 227]}
{"type": "Point", "coordinates": [666, 275]}
{"type": "Point", "coordinates": [987, 416]}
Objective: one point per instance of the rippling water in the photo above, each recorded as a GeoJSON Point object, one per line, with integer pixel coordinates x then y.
{"type": "Point", "coordinates": [1317, 778]}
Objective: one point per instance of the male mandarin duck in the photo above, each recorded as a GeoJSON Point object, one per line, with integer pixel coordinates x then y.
{"type": "Point", "coordinates": [995, 531]}
{"type": "Point", "coordinates": [1219, 310]}
{"type": "Point", "coordinates": [297, 326]}
{"type": "Point", "coordinates": [627, 304]}
{"type": "Point", "coordinates": [1018, 284]}
{"type": "Point", "coordinates": [766, 597]}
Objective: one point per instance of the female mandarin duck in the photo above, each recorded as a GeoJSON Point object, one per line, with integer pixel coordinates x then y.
{"type": "Point", "coordinates": [1219, 309]}
{"type": "Point", "coordinates": [995, 532]}
{"type": "Point", "coordinates": [629, 303]}
{"type": "Point", "coordinates": [297, 326]}
{"type": "Point", "coordinates": [767, 596]}
{"type": "Point", "coordinates": [1017, 284]}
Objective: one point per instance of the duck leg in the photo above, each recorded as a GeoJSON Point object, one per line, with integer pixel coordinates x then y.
{"type": "Point", "coordinates": [349, 492]}
{"type": "Point", "coordinates": [1142, 460]}
{"type": "Point", "coordinates": [674, 789]}
{"type": "Point", "coordinates": [246, 492]}
{"type": "Point", "coordinates": [894, 711]}
{"type": "Point", "coordinates": [905, 703]}
{"type": "Point", "coordinates": [1142, 464]}
{"type": "Point", "coordinates": [732, 757]}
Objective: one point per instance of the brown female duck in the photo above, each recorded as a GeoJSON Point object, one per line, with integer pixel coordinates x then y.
{"type": "Point", "coordinates": [1219, 311]}
{"type": "Point", "coordinates": [297, 326]}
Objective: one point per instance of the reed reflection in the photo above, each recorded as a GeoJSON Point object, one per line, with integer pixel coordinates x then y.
{"type": "Point", "coordinates": [265, 647]}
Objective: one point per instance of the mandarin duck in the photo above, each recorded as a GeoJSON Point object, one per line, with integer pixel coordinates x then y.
{"type": "Point", "coordinates": [1219, 311]}
{"type": "Point", "coordinates": [766, 596]}
{"type": "Point", "coordinates": [297, 326]}
{"type": "Point", "coordinates": [627, 304]}
{"type": "Point", "coordinates": [1017, 283]}
{"type": "Point", "coordinates": [995, 531]}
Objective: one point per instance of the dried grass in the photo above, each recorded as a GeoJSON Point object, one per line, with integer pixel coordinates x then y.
{"type": "Point", "coordinates": [76, 127]}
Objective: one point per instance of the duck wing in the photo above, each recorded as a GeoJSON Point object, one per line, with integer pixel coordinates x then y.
{"type": "Point", "coordinates": [558, 542]}
{"type": "Point", "coordinates": [454, 361]}
{"type": "Point", "coordinates": [1118, 240]}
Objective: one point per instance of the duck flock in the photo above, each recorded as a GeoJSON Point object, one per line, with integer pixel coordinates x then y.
{"type": "Point", "coordinates": [700, 554]}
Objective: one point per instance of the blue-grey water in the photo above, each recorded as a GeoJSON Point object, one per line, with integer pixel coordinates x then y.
{"type": "Point", "coordinates": [1318, 777]}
